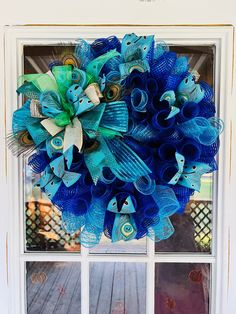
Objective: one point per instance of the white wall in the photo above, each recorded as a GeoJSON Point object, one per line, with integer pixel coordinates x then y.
{"type": "Point", "coordinates": [122, 11]}
{"type": "Point", "coordinates": [109, 12]}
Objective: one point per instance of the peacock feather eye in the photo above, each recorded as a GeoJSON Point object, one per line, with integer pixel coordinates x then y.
{"type": "Point", "coordinates": [57, 143]}
{"type": "Point", "coordinates": [20, 142]}
{"type": "Point", "coordinates": [127, 229]}
{"type": "Point", "coordinates": [112, 92]}
{"type": "Point", "coordinates": [91, 145]}
{"type": "Point", "coordinates": [26, 138]}
{"type": "Point", "coordinates": [70, 59]}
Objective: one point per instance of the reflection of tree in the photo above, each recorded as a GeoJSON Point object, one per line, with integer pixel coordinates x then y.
{"type": "Point", "coordinates": [44, 230]}
{"type": "Point", "coordinates": [192, 229]}
{"type": "Point", "coordinates": [183, 238]}
{"type": "Point", "coordinates": [182, 288]}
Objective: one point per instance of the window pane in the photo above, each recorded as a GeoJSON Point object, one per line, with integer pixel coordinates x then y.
{"type": "Point", "coordinates": [37, 58]}
{"type": "Point", "coordinates": [122, 247]}
{"type": "Point", "coordinates": [117, 288]}
{"type": "Point", "coordinates": [44, 229]}
{"type": "Point", "coordinates": [53, 288]}
{"type": "Point", "coordinates": [201, 59]}
{"type": "Point", "coordinates": [193, 229]}
{"type": "Point", "coordinates": [182, 288]}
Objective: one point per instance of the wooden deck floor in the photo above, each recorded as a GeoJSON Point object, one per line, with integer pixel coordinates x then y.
{"type": "Point", "coordinates": [115, 288]}
{"type": "Point", "coordinates": [58, 292]}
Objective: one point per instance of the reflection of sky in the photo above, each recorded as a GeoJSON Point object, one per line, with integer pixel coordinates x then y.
{"type": "Point", "coordinates": [205, 193]}
{"type": "Point", "coordinates": [132, 246]}
{"type": "Point", "coordinates": [30, 178]}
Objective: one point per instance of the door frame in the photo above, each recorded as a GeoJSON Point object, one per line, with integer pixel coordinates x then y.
{"type": "Point", "coordinates": [222, 38]}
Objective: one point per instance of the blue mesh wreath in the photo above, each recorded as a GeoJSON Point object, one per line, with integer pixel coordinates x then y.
{"type": "Point", "coordinates": [121, 136]}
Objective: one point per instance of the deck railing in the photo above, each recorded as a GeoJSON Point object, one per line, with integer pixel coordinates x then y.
{"type": "Point", "coordinates": [44, 230]}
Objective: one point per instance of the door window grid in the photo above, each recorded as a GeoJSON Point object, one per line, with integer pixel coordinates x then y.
{"type": "Point", "coordinates": [151, 261]}
{"type": "Point", "coordinates": [151, 258]}
{"type": "Point", "coordinates": [44, 229]}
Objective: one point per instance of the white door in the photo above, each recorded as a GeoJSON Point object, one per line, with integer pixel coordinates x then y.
{"type": "Point", "coordinates": [50, 272]}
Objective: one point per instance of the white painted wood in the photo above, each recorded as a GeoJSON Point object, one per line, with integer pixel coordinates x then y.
{"type": "Point", "coordinates": [132, 12]}
{"type": "Point", "coordinates": [84, 280]}
{"type": "Point", "coordinates": [150, 276]}
{"type": "Point", "coordinates": [165, 257]}
{"type": "Point", "coordinates": [222, 38]}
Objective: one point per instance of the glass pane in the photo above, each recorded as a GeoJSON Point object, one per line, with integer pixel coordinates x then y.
{"type": "Point", "coordinates": [107, 247]}
{"type": "Point", "coordinates": [193, 229]}
{"type": "Point", "coordinates": [44, 229]}
{"type": "Point", "coordinates": [201, 59]}
{"type": "Point", "coordinates": [53, 287]}
{"type": "Point", "coordinates": [182, 288]}
{"type": "Point", "coordinates": [37, 58]}
{"type": "Point", "coordinates": [117, 288]}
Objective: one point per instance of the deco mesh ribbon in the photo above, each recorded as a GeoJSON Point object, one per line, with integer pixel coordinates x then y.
{"type": "Point", "coordinates": [121, 135]}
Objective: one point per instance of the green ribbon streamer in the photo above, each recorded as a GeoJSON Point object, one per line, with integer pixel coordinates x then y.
{"type": "Point", "coordinates": [43, 82]}
{"type": "Point", "coordinates": [62, 81]}
{"type": "Point", "coordinates": [63, 77]}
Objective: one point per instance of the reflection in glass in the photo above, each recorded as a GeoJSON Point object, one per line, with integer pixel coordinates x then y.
{"type": "Point", "coordinates": [53, 287]}
{"type": "Point", "coordinates": [117, 288]}
{"type": "Point", "coordinates": [193, 229]}
{"type": "Point", "coordinates": [122, 247]}
{"type": "Point", "coordinates": [43, 221]}
{"type": "Point", "coordinates": [44, 229]}
{"type": "Point", "coordinates": [201, 59]}
{"type": "Point", "coordinates": [182, 288]}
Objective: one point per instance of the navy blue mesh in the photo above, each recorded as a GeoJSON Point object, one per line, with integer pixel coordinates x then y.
{"type": "Point", "coordinates": [102, 45]}
{"type": "Point", "coordinates": [171, 135]}
{"type": "Point", "coordinates": [150, 54]}
{"type": "Point", "coordinates": [172, 82]}
{"type": "Point", "coordinates": [136, 79]}
{"type": "Point", "coordinates": [151, 86]}
{"type": "Point", "coordinates": [206, 109]}
{"type": "Point", "coordinates": [208, 91]}
{"type": "Point", "coordinates": [190, 149]}
{"type": "Point", "coordinates": [163, 65]}
{"type": "Point", "coordinates": [39, 161]}
{"type": "Point", "coordinates": [210, 151]}
{"type": "Point", "coordinates": [108, 224]}
{"type": "Point", "coordinates": [188, 111]}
